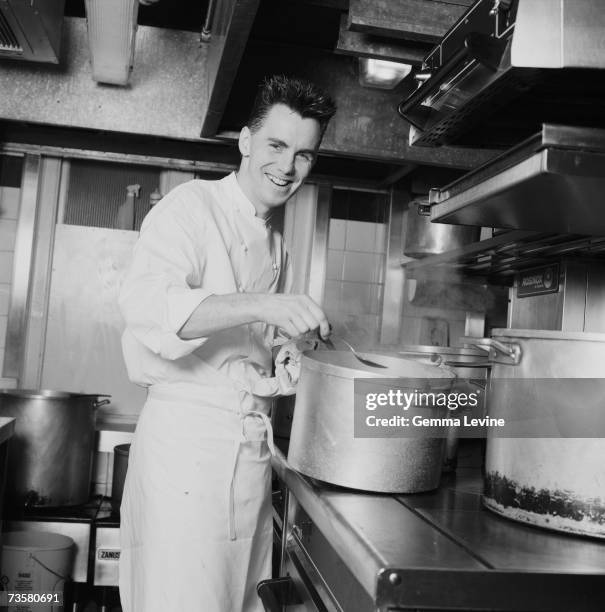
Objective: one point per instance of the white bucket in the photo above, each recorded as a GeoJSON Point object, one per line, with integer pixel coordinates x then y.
{"type": "Point", "coordinates": [36, 563]}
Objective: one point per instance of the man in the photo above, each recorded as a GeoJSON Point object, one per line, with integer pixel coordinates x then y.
{"type": "Point", "coordinates": [202, 305]}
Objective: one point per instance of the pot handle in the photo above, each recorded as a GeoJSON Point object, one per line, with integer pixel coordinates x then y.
{"type": "Point", "coordinates": [505, 353]}
{"type": "Point", "coordinates": [431, 359]}
{"type": "Point", "coordinates": [424, 209]}
{"type": "Point", "coordinates": [468, 364]}
{"type": "Point", "coordinates": [476, 382]}
{"type": "Point", "coordinates": [98, 403]}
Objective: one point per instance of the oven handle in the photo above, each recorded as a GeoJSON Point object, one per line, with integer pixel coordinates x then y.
{"type": "Point", "coordinates": [277, 593]}
{"type": "Point", "coordinates": [480, 47]}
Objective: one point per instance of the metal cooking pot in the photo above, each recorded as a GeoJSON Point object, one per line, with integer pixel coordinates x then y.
{"type": "Point", "coordinates": [552, 482]}
{"type": "Point", "coordinates": [50, 455]}
{"type": "Point", "coordinates": [322, 441]}
{"type": "Point", "coordinates": [471, 371]}
{"type": "Point", "coordinates": [425, 238]}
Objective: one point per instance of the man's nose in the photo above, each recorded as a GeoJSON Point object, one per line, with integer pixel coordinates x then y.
{"type": "Point", "coordinates": [286, 163]}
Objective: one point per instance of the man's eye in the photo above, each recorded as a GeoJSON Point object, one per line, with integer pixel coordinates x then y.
{"type": "Point", "coordinates": [276, 146]}
{"type": "Point", "coordinates": [307, 157]}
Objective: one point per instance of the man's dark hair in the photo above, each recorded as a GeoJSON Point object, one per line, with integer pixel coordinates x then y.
{"type": "Point", "coordinates": [302, 96]}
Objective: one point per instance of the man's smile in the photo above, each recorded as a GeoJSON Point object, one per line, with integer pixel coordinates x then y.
{"type": "Point", "coordinates": [280, 182]}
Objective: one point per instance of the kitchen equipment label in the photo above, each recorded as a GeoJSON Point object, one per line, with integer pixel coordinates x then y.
{"type": "Point", "coordinates": [538, 281]}
{"type": "Point", "coordinates": [108, 554]}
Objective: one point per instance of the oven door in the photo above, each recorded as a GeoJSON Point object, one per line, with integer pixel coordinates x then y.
{"type": "Point", "coordinates": [313, 576]}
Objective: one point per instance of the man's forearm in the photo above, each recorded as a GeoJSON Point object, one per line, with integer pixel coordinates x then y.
{"type": "Point", "coordinates": [294, 314]}
{"type": "Point", "coordinates": [219, 312]}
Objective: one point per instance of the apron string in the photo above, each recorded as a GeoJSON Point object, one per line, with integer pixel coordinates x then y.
{"type": "Point", "coordinates": [268, 427]}
{"type": "Point", "coordinates": [270, 443]}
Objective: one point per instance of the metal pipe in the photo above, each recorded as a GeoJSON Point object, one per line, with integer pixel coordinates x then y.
{"type": "Point", "coordinates": [206, 33]}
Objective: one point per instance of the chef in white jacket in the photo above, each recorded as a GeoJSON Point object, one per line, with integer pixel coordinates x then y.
{"type": "Point", "coordinates": [203, 301]}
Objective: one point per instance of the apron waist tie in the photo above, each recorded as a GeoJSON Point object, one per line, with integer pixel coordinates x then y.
{"type": "Point", "coordinates": [269, 429]}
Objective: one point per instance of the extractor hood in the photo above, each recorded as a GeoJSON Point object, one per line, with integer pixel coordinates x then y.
{"type": "Point", "coordinates": [506, 67]}
{"type": "Point", "coordinates": [30, 30]}
{"type": "Point", "coordinates": [553, 182]}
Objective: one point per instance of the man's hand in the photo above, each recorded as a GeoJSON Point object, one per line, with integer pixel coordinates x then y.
{"type": "Point", "coordinates": [294, 314]}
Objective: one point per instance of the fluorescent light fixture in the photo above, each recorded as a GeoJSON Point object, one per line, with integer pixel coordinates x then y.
{"type": "Point", "coordinates": [112, 26]}
{"type": "Point", "coordinates": [381, 73]}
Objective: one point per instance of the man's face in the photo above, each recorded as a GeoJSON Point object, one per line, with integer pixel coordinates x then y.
{"type": "Point", "coordinates": [277, 157]}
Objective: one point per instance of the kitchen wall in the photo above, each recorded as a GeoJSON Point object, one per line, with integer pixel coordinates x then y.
{"type": "Point", "coordinates": [354, 286]}
{"type": "Point", "coordinates": [84, 322]}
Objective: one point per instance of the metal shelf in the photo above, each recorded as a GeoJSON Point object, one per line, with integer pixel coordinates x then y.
{"type": "Point", "coordinates": [496, 260]}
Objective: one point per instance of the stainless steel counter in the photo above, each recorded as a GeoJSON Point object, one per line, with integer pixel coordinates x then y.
{"type": "Point", "coordinates": [442, 550]}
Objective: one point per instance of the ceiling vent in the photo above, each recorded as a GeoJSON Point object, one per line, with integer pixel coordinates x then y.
{"type": "Point", "coordinates": [30, 30]}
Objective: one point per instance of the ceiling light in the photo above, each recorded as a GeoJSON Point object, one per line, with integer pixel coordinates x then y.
{"type": "Point", "coordinates": [112, 26]}
{"type": "Point", "coordinates": [380, 73]}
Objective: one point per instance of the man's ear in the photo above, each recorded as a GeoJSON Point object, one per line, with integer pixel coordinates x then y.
{"type": "Point", "coordinates": [244, 141]}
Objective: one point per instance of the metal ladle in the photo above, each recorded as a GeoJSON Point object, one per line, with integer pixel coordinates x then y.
{"type": "Point", "coordinates": [363, 360]}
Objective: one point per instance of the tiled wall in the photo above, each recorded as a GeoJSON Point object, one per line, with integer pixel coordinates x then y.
{"type": "Point", "coordinates": [355, 279]}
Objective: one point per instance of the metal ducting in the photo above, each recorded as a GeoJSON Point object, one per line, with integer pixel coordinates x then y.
{"type": "Point", "coordinates": [30, 30]}
{"type": "Point", "coordinates": [553, 182]}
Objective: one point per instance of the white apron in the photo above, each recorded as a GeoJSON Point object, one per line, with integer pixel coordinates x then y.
{"type": "Point", "coordinates": [196, 525]}
{"type": "Point", "coordinates": [196, 511]}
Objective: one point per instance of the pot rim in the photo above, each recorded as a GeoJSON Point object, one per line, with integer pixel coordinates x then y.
{"type": "Point", "coordinates": [311, 362]}
{"type": "Point", "coordinates": [406, 349]}
{"type": "Point", "coordinates": [48, 394]}
{"type": "Point", "coordinates": [547, 334]}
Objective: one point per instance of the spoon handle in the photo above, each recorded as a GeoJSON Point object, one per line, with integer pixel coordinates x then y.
{"type": "Point", "coordinates": [363, 360]}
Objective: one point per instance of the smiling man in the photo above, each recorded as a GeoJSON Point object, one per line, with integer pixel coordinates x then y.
{"type": "Point", "coordinates": [203, 301]}
{"type": "Point", "coordinates": [278, 151]}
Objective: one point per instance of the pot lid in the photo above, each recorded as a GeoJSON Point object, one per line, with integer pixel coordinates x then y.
{"type": "Point", "coordinates": [547, 334]}
{"type": "Point", "coordinates": [345, 365]}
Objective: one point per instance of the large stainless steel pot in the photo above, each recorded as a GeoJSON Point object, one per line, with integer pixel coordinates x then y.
{"type": "Point", "coordinates": [322, 442]}
{"type": "Point", "coordinates": [424, 238]}
{"type": "Point", "coordinates": [553, 482]}
{"type": "Point", "coordinates": [471, 370]}
{"type": "Point", "coordinates": [50, 455]}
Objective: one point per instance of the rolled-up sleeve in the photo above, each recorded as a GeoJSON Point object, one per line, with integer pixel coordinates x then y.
{"type": "Point", "coordinates": [162, 286]}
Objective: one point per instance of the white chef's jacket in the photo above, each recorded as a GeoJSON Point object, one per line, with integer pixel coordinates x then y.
{"type": "Point", "coordinates": [171, 275]}
{"type": "Point", "coordinates": [196, 527]}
